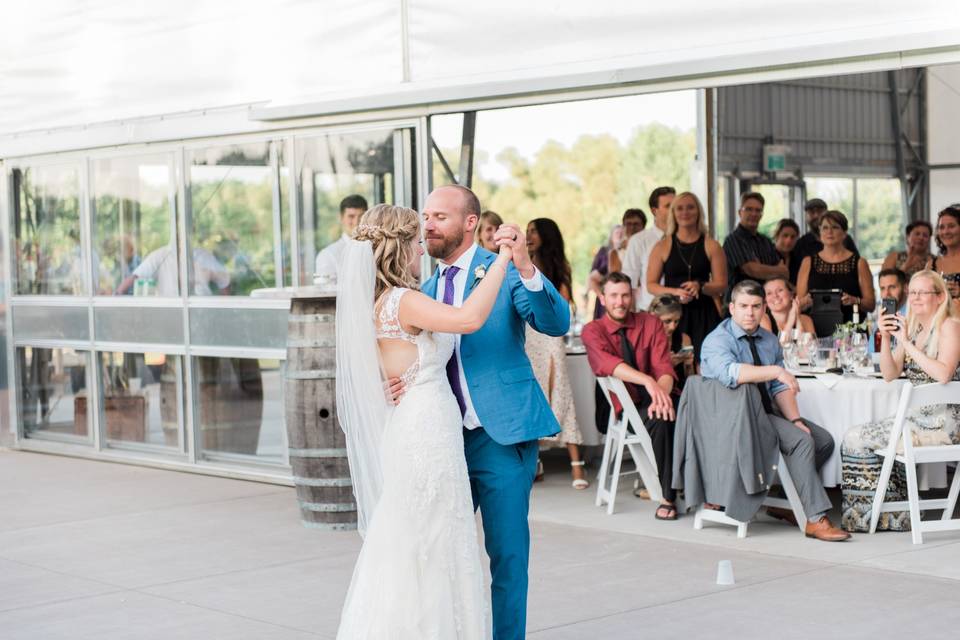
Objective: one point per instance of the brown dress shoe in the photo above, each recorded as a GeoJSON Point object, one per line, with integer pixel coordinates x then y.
{"type": "Point", "coordinates": [823, 529]}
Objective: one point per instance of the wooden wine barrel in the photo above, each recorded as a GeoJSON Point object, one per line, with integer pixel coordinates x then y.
{"type": "Point", "coordinates": [318, 452]}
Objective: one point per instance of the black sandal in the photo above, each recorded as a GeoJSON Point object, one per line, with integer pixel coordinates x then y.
{"type": "Point", "coordinates": [670, 509]}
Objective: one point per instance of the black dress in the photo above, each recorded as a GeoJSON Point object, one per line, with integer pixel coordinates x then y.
{"type": "Point", "coordinates": [841, 275]}
{"type": "Point", "coordinates": [688, 262]}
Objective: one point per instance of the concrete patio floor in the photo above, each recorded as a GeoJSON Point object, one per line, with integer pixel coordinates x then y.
{"type": "Point", "coordinates": [107, 551]}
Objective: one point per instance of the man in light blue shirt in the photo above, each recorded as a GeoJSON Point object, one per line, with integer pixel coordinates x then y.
{"type": "Point", "coordinates": [740, 351]}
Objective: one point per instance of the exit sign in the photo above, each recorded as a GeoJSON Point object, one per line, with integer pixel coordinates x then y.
{"type": "Point", "coordinates": [774, 157]}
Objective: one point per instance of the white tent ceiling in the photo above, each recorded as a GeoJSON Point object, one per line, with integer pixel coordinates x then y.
{"type": "Point", "coordinates": [68, 64]}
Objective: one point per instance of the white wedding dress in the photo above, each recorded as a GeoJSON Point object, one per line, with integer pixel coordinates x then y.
{"type": "Point", "coordinates": [419, 576]}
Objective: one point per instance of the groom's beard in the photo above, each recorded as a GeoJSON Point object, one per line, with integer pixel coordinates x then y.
{"type": "Point", "coordinates": [446, 247]}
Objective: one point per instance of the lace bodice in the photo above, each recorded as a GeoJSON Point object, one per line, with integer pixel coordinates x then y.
{"type": "Point", "coordinates": [433, 349]}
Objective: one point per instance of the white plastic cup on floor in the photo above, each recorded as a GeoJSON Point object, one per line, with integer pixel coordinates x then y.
{"type": "Point", "coordinates": [725, 573]}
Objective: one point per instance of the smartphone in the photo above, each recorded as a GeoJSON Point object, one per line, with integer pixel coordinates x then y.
{"type": "Point", "coordinates": [686, 349]}
{"type": "Point", "coordinates": [889, 306]}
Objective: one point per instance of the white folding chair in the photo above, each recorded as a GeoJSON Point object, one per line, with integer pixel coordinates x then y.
{"type": "Point", "coordinates": [792, 502]}
{"type": "Point", "coordinates": [914, 398]}
{"type": "Point", "coordinates": [619, 438]}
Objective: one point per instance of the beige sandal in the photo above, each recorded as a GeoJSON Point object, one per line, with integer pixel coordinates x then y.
{"type": "Point", "coordinates": [579, 483]}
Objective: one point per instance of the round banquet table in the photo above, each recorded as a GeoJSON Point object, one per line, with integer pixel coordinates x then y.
{"type": "Point", "coordinates": [850, 402]}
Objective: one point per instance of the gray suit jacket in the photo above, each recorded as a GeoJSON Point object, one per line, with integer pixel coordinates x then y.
{"type": "Point", "coordinates": [725, 447]}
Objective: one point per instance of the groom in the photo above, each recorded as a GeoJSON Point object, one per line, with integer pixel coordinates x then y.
{"type": "Point", "coordinates": [504, 410]}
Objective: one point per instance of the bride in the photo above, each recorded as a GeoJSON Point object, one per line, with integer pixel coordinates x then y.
{"type": "Point", "coordinates": [419, 574]}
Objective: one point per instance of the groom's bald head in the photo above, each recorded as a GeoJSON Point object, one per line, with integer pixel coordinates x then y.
{"type": "Point", "coordinates": [450, 216]}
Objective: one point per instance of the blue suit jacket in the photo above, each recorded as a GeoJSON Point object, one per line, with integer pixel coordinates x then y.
{"type": "Point", "coordinates": [509, 402]}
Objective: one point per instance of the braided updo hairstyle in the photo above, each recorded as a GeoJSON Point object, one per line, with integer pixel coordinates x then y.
{"type": "Point", "coordinates": [391, 230]}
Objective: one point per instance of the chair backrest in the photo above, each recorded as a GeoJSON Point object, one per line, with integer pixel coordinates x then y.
{"type": "Point", "coordinates": [630, 412]}
{"type": "Point", "coordinates": [915, 398]}
{"type": "Point", "coordinates": [604, 383]}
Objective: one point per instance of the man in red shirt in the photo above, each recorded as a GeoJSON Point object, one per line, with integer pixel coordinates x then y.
{"type": "Point", "coordinates": [633, 347]}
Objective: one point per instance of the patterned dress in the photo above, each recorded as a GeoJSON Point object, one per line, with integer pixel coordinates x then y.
{"type": "Point", "coordinates": [548, 356]}
{"type": "Point", "coordinates": [936, 424]}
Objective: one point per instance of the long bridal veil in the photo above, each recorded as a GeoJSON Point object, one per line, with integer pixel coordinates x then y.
{"type": "Point", "coordinates": [362, 405]}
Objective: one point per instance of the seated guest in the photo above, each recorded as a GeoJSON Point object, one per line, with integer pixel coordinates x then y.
{"type": "Point", "coordinates": [836, 267]}
{"type": "Point", "coordinates": [917, 253]}
{"type": "Point", "coordinates": [928, 350]}
{"type": "Point", "coordinates": [488, 224]}
{"type": "Point", "coordinates": [633, 347]}
{"type": "Point", "coordinates": [783, 311]}
{"type": "Point", "coordinates": [740, 351]}
{"type": "Point", "coordinates": [785, 239]}
{"type": "Point", "coordinates": [893, 284]}
{"type": "Point", "coordinates": [669, 310]}
{"type": "Point", "coordinates": [750, 254]}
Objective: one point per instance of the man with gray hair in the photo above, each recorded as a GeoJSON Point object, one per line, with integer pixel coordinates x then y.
{"type": "Point", "coordinates": [740, 351]}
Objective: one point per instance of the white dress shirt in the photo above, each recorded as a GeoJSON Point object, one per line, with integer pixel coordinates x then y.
{"type": "Point", "coordinates": [328, 260]}
{"type": "Point", "coordinates": [637, 259]}
{"type": "Point", "coordinates": [535, 283]}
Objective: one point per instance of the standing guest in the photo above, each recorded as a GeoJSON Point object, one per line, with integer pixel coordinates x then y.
{"type": "Point", "coordinates": [668, 308]}
{"type": "Point", "coordinates": [548, 354]}
{"type": "Point", "coordinates": [928, 351]}
{"type": "Point", "coordinates": [693, 267]}
{"type": "Point", "coordinates": [634, 221]}
{"type": "Point", "coordinates": [837, 267]}
{"type": "Point", "coordinates": [750, 254]}
{"type": "Point", "coordinates": [785, 240]}
{"type": "Point", "coordinates": [917, 254]}
{"type": "Point", "coordinates": [809, 243]}
{"type": "Point", "coordinates": [740, 351]}
{"type": "Point", "coordinates": [488, 224]}
{"type": "Point", "coordinates": [632, 346]}
{"type": "Point", "coordinates": [328, 260]}
{"type": "Point", "coordinates": [637, 255]}
{"type": "Point", "coordinates": [947, 264]}
{"type": "Point", "coordinates": [783, 310]}
{"type": "Point", "coordinates": [607, 260]}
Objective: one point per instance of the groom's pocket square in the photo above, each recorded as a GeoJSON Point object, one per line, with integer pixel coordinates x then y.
{"type": "Point", "coordinates": [517, 374]}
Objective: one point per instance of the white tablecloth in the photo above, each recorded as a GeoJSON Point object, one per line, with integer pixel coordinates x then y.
{"type": "Point", "coordinates": [852, 402]}
{"type": "Point", "coordinates": [582, 381]}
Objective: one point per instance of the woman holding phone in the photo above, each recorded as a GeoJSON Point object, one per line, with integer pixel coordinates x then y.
{"type": "Point", "coordinates": [927, 350]}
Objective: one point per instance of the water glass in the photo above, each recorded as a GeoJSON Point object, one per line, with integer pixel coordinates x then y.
{"type": "Point", "coordinates": [791, 356]}
{"type": "Point", "coordinates": [825, 354]}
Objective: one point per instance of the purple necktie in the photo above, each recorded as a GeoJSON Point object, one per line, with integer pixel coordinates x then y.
{"type": "Point", "coordinates": [453, 368]}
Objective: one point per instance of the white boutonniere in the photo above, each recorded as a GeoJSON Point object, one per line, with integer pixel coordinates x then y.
{"type": "Point", "coordinates": [478, 274]}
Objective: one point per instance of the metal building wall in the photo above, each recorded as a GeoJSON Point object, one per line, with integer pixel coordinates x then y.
{"type": "Point", "coordinates": [836, 125]}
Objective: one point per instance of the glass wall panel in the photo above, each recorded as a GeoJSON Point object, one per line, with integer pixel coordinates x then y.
{"type": "Point", "coordinates": [332, 167]}
{"type": "Point", "coordinates": [154, 325]}
{"type": "Point", "coordinates": [53, 391]}
{"type": "Point", "coordinates": [240, 407]}
{"type": "Point", "coordinates": [51, 323]}
{"type": "Point", "coordinates": [880, 225]}
{"type": "Point", "coordinates": [231, 200]}
{"type": "Point", "coordinates": [261, 328]}
{"type": "Point", "coordinates": [46, 230]}
{"type": "Point", "coordinates": [131, 226]}
{"type": "Point", "coordinates": [6, 426]}
{"type": "Point", "coordinates": [140, 401]}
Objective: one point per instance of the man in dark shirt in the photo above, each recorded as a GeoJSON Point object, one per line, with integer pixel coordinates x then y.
{"type": "Point", "coordinates": [809, 243]}
{"type": "Point", "coordinates": [633, 347]}
{"type": "Point", "coordinates": [750, 254]}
